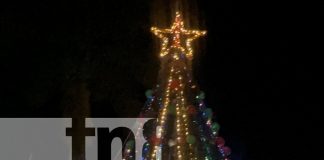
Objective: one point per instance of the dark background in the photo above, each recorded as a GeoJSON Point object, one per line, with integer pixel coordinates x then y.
{"type": "Point", "coordinates": [259, 67]}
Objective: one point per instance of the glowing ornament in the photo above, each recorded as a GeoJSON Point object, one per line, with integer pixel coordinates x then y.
{"type": "Point", "coordinates": [226, 150]}
{"type": "Point", "coordinates": [220, 142]}
{"type": "Point", "coordinates": [201, 95]}
{"type": "Point", "coordinates": [146, 148]}
{"type": "Point", "coordinates": [191, 139]}
{"type": "Point", "coordinates": [215, 127]}
{"type": "Point", "coordinates": [149, 93]}
{"type": "Point", "coordinates": [208, 113]}
{"type": "Point", "coordinates": [208, 157]}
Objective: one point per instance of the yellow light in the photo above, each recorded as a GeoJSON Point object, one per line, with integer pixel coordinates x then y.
{"type": "Point", "coordinates": [176, 38]}
{"type": "Point", "coordinates": [176, 31]}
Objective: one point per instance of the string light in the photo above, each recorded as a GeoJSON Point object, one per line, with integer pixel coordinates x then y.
{"type": "Point", "coordinates": [177, 31]}
{"type": "Point", "coordinates": [176, 45]}
{"type": "Point", "coordinates": [180, 39]}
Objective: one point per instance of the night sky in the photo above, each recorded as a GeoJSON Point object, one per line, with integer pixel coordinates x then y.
{"type": "Point", "coordinates": [256, 65]}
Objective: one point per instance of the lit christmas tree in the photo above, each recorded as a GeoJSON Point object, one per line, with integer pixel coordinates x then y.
{"type": "Point", "coordinates": [184, 129]}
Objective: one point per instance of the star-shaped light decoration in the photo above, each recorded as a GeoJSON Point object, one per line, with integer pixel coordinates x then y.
{"type": "Point", "coordinates": [178, 35]}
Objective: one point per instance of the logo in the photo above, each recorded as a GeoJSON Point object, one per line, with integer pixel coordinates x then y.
{"type": "Point", "coordinates": [69, 139]}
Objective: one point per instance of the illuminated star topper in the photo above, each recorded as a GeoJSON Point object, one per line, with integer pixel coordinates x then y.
{"type": "Point", "coordinates": [178, 35]}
